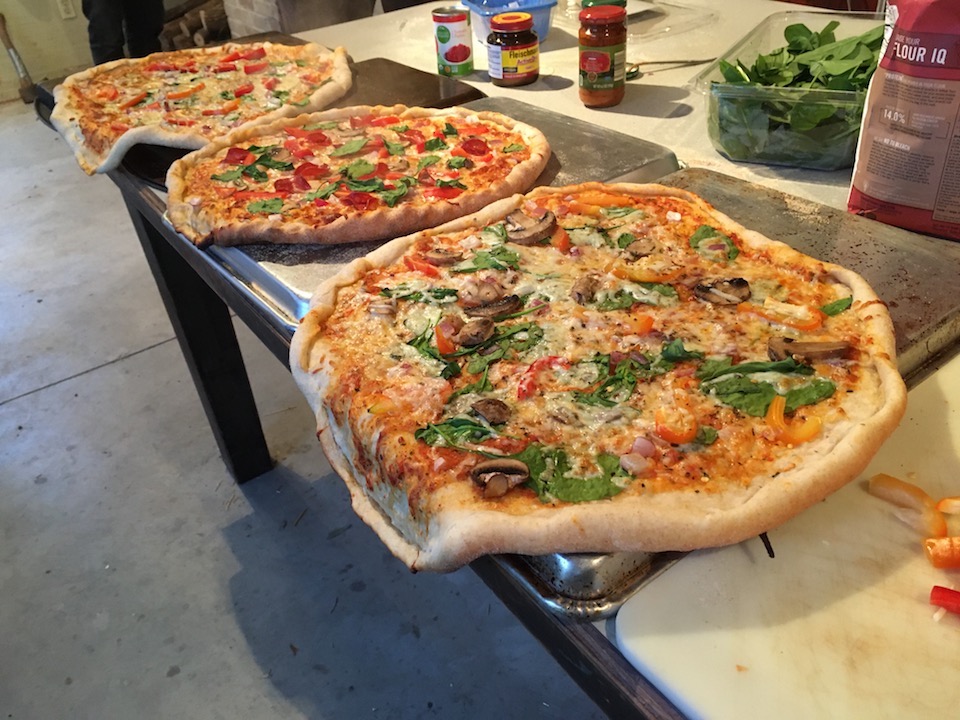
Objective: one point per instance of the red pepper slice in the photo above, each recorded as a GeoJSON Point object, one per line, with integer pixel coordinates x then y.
{"type": "Point", "coordinates": [315, 137]}
{"type": "Point", "coordinates": [225, 67]}
{"type": "Point", "coordinates": [252, 68]}
{"type": "Point", "coordinates": [441, 193]}
{"type": "Point", "coordinates": [946, 598]}
{"type": "Point", "coordinates": [108, 92]}
{"type": "Point", "coordinates": [421, 266]}
{"type": "Point", "coordinates": [254, 54]}
{"type": "Point", "coordinates": [244, 89]}
{"type": "Point", "coordinates": [528, 382]}
{"type": "Point", "coordinates": [385, 121]}
{"type": "Point", "coordinates": [232, 57]}
{"type": "Point", "coordinates": [271, 82]}
{"type": "Point", "coordinates": [159, 67]}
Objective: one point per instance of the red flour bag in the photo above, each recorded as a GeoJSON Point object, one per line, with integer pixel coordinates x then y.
{"type": "Point", "coordinates": [907, 170]}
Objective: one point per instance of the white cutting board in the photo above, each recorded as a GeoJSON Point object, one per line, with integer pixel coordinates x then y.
{"type": "Point", "coordinates": [838, 624]}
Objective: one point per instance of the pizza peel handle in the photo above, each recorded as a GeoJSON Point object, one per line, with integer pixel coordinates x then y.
{"type": "Point", "coordinates": [28, 92]}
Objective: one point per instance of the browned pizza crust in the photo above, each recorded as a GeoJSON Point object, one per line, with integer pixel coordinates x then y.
{"type": "Point", "coordinates": [202, 224]}
{"type": "Point", "coordinates": [460, 526]}
{"type": "Point", "coordinates": [67, 115]}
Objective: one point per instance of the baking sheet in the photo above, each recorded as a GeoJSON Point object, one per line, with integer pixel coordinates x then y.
{"type": "Point", "coordinates": [917, 276]}
{"type": "Point", "coordinates": [281, 279]}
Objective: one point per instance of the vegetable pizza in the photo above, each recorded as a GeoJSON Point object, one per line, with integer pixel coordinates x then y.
{"type": "Point", "coordinates": [593, 368]}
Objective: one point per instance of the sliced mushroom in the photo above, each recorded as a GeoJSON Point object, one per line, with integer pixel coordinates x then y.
{"type": "Point", "coordinates": [383, 306]}
{"type": "Point", "coordinates": [475, 332]}
{"type": "Point", "coordinates": [584, 289]}
{"type": "Point", "coordinates": [497, 308]}
{"type": "Point", "coordinates": [495, 412]}
{"type": "Point", "coordinates": [525, 230]}
{"type": "Point", "coordinates": [640, 248]}
{"type": "Point", "coordinates": [781, 348]}
{"type": "Point", "coordinates": [497, 477]}
{"type": "Point", "coordinates": [476, 293]}
{"type": "Point", "coordinates": [442, 257]}
{"type": "Point", "coordinates": [724, 292]}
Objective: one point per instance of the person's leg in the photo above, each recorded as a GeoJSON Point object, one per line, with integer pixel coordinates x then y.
{"type": "Point", "coordinates": [143, 21]}
{"type": "Point", "coordinates": [104, 29]}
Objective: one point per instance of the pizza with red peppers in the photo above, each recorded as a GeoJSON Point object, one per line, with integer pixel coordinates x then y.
{"type": "Point", "coordinates": [351, 174]}
{"type": "Point", "coordinates": [185, 98]}
{"type": "Point", "coordinates": [593, 368]}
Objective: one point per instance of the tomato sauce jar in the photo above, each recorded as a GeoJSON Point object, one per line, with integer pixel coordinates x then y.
{"type": "Point", "coordinates": [513, 49]}
{"type": "Point", "coordinates": [454, 41]}
{"type": "Point", "coordinates": [603, 55]}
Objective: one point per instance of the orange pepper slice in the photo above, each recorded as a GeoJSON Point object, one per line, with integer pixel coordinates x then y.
{"type": "Point", "coordinates": [949, 505]}
{"type": "Point", "coordinates": [677, 426]}
{"type": "Point", "coordinates": [445, 344]}
{"type": "Point", "coordinates": [910, 496]}
{"type": "Point", "coordinates": [135, 100]}
{"type": "Point", "coordinates": [187, 92]}
{"type": "Point", "coordinates": [560, 239]}
{"type": "Point", "coordinates": [791, 433]}
{"type": "Point", "coordinates": [943, 552]}
{"type": "Point", "coordinates": [644, 274]}
{"type": "Point", "coordinates": [813, 320]}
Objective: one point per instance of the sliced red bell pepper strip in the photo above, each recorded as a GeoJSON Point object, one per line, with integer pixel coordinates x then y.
{"type": "Point", "coordinates": [252, 68]}
{"type": "Point", "coordinates": [946, 598]}
{"type": "Point", "coordinates": [135, 100]}
{"type": "Point", "coordinates": [529, 382]}
{"type": "Point", "coordinates": [421, 266]}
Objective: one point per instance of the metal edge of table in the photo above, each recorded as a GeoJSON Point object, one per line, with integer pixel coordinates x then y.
{"type": "Point", "coordinates": [590, 659]}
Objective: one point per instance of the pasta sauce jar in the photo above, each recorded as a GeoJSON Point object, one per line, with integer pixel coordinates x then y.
{"type": "Point", "coordinates": [513, 50]}
{"type": "Point", "coordinates": [603, 55]}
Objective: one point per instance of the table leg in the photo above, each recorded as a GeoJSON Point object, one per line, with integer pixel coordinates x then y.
{"type": "Point", "coordinates": [208, 340]}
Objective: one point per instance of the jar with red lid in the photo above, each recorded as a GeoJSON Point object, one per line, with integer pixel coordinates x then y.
{"type": "Point", "coordinates": [513, 49]}
{"type": "Point", "coordinates": [603, 55]}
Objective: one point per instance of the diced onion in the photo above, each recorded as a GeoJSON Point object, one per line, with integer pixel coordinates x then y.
{"type": "Point", "coordinates": [634, 463]}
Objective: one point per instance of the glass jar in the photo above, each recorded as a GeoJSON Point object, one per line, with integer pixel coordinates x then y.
{"type": "Point", "coordinates": [603, 55]}
{"type": "Point", "coordinates": [513, 50]}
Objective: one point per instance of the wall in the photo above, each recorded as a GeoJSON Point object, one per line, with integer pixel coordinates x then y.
{"type": "Point", "coordinates": [50, 46]}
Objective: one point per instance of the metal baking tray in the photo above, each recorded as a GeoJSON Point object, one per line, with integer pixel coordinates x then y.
{"type": "Point", "coordinates": [281, 279]}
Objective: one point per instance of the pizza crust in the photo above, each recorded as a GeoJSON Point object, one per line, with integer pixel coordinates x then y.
{"type": "Point", "coordinates": [460, 527]}
{"type": "Point", "coordinates": [202, 226]}
{"type": "Point", "coordinates": [67, 117]}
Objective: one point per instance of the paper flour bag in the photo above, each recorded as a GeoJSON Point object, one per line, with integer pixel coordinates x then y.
{"type": "Point", "coordinates": [907, 169]}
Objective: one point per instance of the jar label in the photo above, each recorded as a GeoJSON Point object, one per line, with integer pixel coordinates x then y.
{"type": "Point", "coordinates": [514, 62]}
{"type": "Point", "coordinates": [603, 68]}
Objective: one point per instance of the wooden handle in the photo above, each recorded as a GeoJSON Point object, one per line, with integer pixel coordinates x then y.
{"type": "Point", "coordinates": [4, 36]}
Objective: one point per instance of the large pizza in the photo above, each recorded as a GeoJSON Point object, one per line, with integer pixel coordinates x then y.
{"type": "Point", "coordinates": [351, 174]}
{"type": "Point", "coordinates": [593, 368]}
{"type": "Point", "coordinates": [185, 98]}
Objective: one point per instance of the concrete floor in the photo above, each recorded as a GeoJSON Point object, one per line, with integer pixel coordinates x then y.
{"type": "Point", "coordinates": [137, 580]}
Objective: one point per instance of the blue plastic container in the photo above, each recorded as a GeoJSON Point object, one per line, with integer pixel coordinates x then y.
{"type": "Point", "coordinates": [482, 12]}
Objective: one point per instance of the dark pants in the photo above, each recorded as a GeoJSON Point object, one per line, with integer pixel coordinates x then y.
{"type": "Point", "coordinates": [113, 23]}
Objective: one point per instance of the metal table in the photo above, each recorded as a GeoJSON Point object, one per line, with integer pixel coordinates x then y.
{"type": "Point", "coordinates": [198, 297]}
